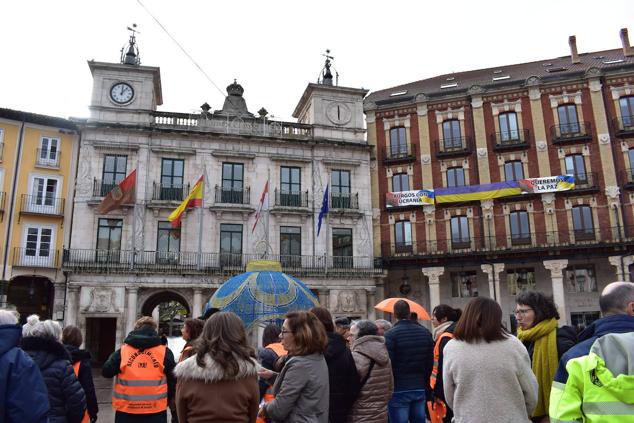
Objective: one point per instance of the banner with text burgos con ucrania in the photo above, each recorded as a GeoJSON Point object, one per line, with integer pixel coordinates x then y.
{"type": "Point", "coordinates": [420, 197]}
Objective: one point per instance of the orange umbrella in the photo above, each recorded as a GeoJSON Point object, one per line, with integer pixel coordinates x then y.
{"type": "Point", "coordinates": [387, 305]}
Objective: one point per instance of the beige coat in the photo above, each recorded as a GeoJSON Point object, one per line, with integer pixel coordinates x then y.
{"type": "Point", "coordinates": [371, 404]}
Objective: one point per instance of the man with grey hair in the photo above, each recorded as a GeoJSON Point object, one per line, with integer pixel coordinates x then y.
{"type": "Point", "coordinates": [23, 395]}
{"type": "Point", "coordinates": [617, 308]}
{"type": "Point", "coordinates": [383, 326]}
{"type": "Point", "coordinates": [375, 372]}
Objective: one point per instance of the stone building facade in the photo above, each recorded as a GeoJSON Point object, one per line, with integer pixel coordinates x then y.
{"type": "Point", "coordinates": [569, 115]}
{"type": "Point", "coordinates": [125, 263]}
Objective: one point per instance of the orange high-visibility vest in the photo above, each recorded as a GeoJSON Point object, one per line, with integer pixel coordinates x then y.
{"type": "Point", "coordinates": [434, 370]}
{"type": "Point", "coordinates": [86, 418]}
{"type": "Point", "coordinates": [268, 397]}
{"type": "Point", "coordinates": [277, 348]}
{"type": "Point", "coordinates": [141, 385]}
{"type": "Point", "coordinates": [437, 408]}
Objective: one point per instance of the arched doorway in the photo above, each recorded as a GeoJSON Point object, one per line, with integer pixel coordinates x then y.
{"type": "Point", "coordinates": [169, 309]}
{"type": "Point", "coordinates": [31, 295]}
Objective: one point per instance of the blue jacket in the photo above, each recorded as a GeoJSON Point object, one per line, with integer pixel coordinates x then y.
{"type": "Point", "coordinates": [65, 394]}
{"type": "Point", "coordinates": [411, 350]}
{"type": "Point", "coordinates": [23, 395]}
{"type": "Point", "coordinates": [618, 323]}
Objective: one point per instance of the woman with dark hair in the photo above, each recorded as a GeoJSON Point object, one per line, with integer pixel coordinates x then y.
{"type": "Point", "coordinates": [80, 359]}
{"type": "Point", "coordinates": [486, 371]}
{"type": "Point", "coordinates": [301, 388]}
{"type": "Point", "coordinates": [443, 319]}
{"type": "Point", "coordinates": [537, 317]}
{"type": "Point", "coordinates": [342, 373]}
{"type": "Point", "coordinates": [219, 383]}
{"type": "Point", "coordinates": [269, 355]}
{"type": "Point", "coordinates": [192, 328]}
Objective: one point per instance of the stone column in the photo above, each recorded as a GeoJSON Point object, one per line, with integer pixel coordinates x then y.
{"type": "Point", "coordinates": [556, 268]}
{"type": "Point", "coordinates": [131, 309]}
{"type": "Point", "coordinates": [72, 305]}
{"type": "Point", "coordinates": [58, 301]}
{"type": "Point", "coordinates": [324, 297]}
{"type": "Point", "coordinates": [493, 272]}
{"type": "Point", "coordinates": [480, 134]}
{"type": "Point", "coordinates": [622, 264]}
{"type": "Point", "coordinates": [433, 275]}
{"type": "Point", "coordinates": [197, 306]}
{"type": "Point", "coordinates": [370, 303]}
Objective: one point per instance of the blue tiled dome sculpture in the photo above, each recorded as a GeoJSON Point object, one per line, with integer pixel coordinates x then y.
{"type": "Point", "coordinates": [262, 294]}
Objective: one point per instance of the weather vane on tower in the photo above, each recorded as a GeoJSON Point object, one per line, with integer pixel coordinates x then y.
{"type": "Point", "coordinates": [132, 56]}
{"type": "Point", "coordinates": [326, 75]}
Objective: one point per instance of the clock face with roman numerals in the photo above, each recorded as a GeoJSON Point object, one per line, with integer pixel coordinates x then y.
{"type": "Point", "coordinates": [121, 93]}
{"type": "Point", "coordinates": [338, 113]}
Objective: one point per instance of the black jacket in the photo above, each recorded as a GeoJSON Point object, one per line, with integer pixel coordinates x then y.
{"type": "Point", "coordinates": [142, 339]}
{"type": "Point", "coordinates": [85, 377]}
{"type": "Point", "coordinates": [411, 349]}
{"type": "Point", "coordinates": [65, 394]}
{"type": "Point", "coordinates": [566, 339]}
{"type": "Point", "coordinates": [342, 376]}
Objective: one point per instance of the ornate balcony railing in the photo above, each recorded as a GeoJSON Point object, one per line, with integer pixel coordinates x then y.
{"type": "Point", "coordinates": [586, 180]}
{"type": "Point", "coordinates": [514, 243]}
{"type": "Point", "coordinates": [627, 177]}
{"type": "Point", "coordinates": [454, 146]}
{"type": "Point", "coordinates": [206, 122]}
{"type": "Point", "coordinates": [169, 192]}
{"type": "Point", "coordinates": [35, 257]}
{"type": "Point", "coordinates": [42, 204]}
{"type": "Point", "coordinates": [122, 261]}
{"type": "Point", "coordinates": [100, 188]}
{"type": "Point", "coordinates": [341, 201]}
{"type": "Point", "coordinates": [507, 140]}
{"type": "Point", "coordinates": [399, 153]}
{"type": "Point", "coordinates": [3, 200]}
{"type": "Point", "coordinates": [623, 125]}
{"type": "Point", "coordinates": [1, 151]}
{"type": "Point", "coordinates": [291, 198]}
{"type": "Point", "coordinates": [232, 196]}
{"type": "Point", "coordinates": [47, 158]}
{"type": "Point", "coordinates": [577, 131]}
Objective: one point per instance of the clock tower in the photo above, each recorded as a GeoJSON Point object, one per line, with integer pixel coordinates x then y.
{"type": "Point", "coordinates": [335, 112]}
{"type": "Point", "coordinates": [125, 92]}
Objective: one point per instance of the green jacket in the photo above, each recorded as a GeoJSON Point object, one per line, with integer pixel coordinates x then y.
{"type": "Point", "coordinates": [600, 386]}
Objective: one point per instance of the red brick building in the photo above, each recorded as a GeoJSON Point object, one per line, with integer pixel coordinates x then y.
{"type": "Point", "coordinates": [567, 115]}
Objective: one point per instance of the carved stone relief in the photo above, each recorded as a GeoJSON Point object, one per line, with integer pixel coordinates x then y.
{"type": "Point", "coordinates": [102, 300]}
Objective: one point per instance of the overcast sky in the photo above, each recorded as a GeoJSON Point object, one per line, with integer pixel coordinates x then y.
{"type": "Point", "coordinates": [274, 48]}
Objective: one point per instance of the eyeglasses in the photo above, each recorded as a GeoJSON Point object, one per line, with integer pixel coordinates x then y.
{"type": "Point", "coordinates": [522, 312]}
{"type": "Point", "coordinates": [284, 332]}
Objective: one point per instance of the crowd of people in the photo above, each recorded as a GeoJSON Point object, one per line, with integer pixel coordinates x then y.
{"type": "Point", "coordinates": [316, 369]}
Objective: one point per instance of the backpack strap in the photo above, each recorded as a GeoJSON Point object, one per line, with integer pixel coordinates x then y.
{"type": "Point", "coordinates": [367, 375]}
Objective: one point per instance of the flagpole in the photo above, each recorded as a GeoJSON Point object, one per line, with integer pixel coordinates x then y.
{"type": "Point", "coordinates": [268, 215]}
{"type": "Point", "coordinates": [200, 223]}
{"type": "Point", "coordinates": [133, 257]}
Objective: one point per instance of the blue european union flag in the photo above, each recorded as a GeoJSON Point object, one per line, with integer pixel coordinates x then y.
{"type": "Point", "coordinates": [324, 209]}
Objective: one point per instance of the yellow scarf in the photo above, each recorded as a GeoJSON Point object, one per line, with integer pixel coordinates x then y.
{"type": "Point", "coordinates": [544, 337]}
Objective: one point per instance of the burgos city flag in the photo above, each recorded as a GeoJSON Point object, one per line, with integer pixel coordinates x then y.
{"type": "Point", "coordinates": [194, 199]}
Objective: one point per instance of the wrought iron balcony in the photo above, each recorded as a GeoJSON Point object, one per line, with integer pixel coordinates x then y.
{"type": "Point", "coordinates": [627, 178]}
{"type": "Point", "coordinates": [35, 257]}
{"type": "Point", "coordinates": [586, 181]}
{"type": "Point", "coordinates": [510, 140]}
{"type": "Point", "coordinates": [571, 132]}
{"type": "Point", "coordinates": [341, 201]}
{"type": "Point", "coordinates": [3, 200]}
{"type": "Point", "coordinates": [1, 151]}
{"type": "Point", "coordinates": [232, 196]}
{"type": "Point", "coordinates": [42, 204]}
{"type": "Point", "coordinates": [169, 192]}
{"type": "Point", "coordinates": [48, 158]}
{"type": "Point", "coordinates": [123, 261]}
{"type": "Point", "coordinates": [291, 198]}
{"type": "Point", "coordinates": [399, 154]}
{"type": "Point", "coordinates": [456, 146]}
{"type": "Point", "coordinates": [623, 126]}
{"type": "Point", "coordinates": [540, 242]}
{"type": "Point", "coordinates": [100, 188]}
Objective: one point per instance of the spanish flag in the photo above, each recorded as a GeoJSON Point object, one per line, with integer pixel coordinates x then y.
{"type": "Point", "coordinates": [194, 199]}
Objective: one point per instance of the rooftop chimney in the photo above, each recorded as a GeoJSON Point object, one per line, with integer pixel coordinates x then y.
{"type": "Point", "coordinates": [572, 40]}
{"type": "Point", "coordinates": [625, 40]}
